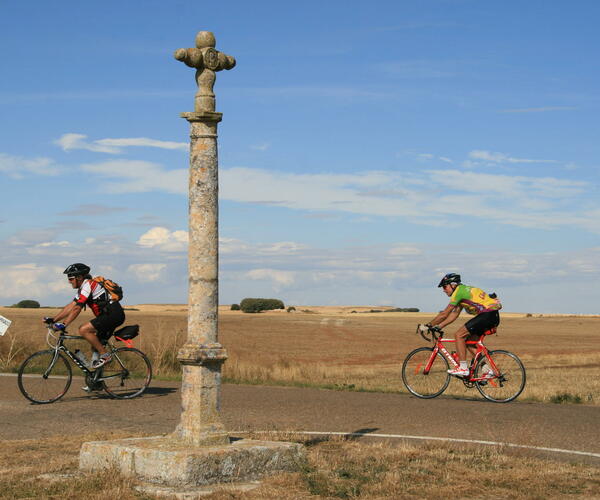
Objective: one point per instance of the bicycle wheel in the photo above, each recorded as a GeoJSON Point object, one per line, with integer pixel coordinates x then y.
{"type": "Point", "coordinates": [44, 377]}
{"type": "Point", "coordinates": [127, 375]}
{"type": "Point", "coordinates": [421, 384]}
{"type": "Point", "coordinates": [505, 385]}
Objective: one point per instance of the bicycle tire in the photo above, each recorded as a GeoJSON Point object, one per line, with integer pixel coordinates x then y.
{"type": "Point", "coordinates": [504, 387]}
{"type": "Point", "coordinates": [425, 386]}
{"type": "Point", "coordinates": [34, 382]}
{"type": "Point", "coordinates": [127, 375]}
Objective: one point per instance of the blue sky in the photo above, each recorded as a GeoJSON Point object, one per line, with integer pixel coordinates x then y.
{"type": "Point", "coordinates": [365, 149]}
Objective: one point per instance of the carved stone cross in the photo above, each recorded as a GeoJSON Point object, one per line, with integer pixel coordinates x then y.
{"type": "Point", "coordinates": [207, 60]}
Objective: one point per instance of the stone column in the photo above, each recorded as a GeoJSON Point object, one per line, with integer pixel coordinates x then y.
{"type": "Point", "coordinates": [202, 355]}
{"type": "Point", "coordinates": [199, 452]}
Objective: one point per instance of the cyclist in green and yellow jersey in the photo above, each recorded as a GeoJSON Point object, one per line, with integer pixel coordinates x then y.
{"type": "Point", "coordinates": [476, 302]}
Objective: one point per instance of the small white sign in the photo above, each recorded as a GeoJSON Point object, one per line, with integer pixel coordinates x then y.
{"type": "Point", "coordinates": [4, 324]}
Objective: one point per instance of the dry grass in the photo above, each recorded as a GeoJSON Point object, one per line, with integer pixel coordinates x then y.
{"type": "Point", "coordinates": [345, 350]}
{"type": "Point", "coordinates": [48, 468]}
{"type": "Point", "coordinates": [335, 468]}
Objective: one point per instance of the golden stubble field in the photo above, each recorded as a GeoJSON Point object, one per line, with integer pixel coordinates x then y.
{"type": "Point", "coordinates": [332, 347]}
{"type": "Point", "coordinates": [335, 348]}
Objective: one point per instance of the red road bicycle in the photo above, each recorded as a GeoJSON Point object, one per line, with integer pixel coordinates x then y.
{"type": "Point", "coordinates": [498, 375]}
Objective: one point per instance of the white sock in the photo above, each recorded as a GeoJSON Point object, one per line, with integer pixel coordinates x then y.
{"type": "Point", "coordinates": [463, 365]}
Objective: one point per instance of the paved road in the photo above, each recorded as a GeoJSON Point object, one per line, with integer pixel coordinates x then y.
{"type": "Point", "coordinates": [572, 427]}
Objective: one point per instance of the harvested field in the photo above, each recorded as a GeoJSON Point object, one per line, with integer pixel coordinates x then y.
{"type": "Point", "coordinates": [335, 468]}
{"type": "Point", "coordinates": [335, 348]}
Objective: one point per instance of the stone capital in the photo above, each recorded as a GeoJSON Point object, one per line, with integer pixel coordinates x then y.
{"type": "Point", "coordinates": [202, 116]}
{"type": "Point", "coordinates": [194, 354]}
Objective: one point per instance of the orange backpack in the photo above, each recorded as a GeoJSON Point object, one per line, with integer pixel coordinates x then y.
{"type": "Point", "coordinates": [115, 292]}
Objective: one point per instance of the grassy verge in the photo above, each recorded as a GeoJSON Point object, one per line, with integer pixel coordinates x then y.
{"type": "Point", "coordinates": [335, 468]}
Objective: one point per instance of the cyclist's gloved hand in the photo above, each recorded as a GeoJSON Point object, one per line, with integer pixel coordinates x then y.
{"type": "Point", "coordinates": [48, 320]}
{"type": "Point", "coordinates": [423, 328]}
{"type": "Point", "coordinates": [59, 326]}
{"type": "Point", "coordinates": [436, 329]}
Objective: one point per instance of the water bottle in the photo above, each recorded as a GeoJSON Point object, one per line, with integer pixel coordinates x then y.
{"type": "Point", "coordinates": [455, 356]}
{"type": "Point", "coordinates": [81, 357]}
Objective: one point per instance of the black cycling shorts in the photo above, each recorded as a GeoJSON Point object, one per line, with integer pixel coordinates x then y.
{"type": "Point", "coordinates": [483, 322]}
{"type": "Point", "coordinates": [111, 317]}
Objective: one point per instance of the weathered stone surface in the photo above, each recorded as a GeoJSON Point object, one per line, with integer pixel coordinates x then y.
{"type": "Point", "coordinates": [172, 462]}
{"type": "Point", "coordinates": [199, 451]}
{"type": "Point", "coordinates": [206, 60]}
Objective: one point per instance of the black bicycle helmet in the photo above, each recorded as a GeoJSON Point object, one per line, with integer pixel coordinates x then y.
{"type": "Point", "coordinates": [450, 278]}
{"type": "Point", "coordinates": [77, 269]}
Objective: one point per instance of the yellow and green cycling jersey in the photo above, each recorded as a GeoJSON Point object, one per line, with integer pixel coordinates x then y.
{"type": "Point", "coordinates": [474, 300]}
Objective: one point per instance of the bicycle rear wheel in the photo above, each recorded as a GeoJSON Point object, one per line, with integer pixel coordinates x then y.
{"type": "Point", "coordinates": [421, 384]}
{"type": "Point", "coordinates": [127, 375]}
{"type": "Point", "coordinates": [507, 383]}
{"type": "Point", "coordinates": [44, 377]}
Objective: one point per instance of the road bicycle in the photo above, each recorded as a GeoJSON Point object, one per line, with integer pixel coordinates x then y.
{"type": "Point", "coordinates": [498, 375]}
{"type": "Point", "coordinates": [45, 376]}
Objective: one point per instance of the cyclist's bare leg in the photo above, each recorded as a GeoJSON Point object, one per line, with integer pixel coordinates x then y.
{"type": "Point", "coordinates": [461, 342]}
{"type": "Point", "coordinates": [88, 332]}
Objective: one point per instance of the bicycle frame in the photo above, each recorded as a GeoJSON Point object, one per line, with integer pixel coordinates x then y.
{"type": "Point", "coordinates": [94, 375]}
{"type": "Point", "coordinates": [481, 351]}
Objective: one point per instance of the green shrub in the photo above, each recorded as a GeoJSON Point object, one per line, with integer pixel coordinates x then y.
{"type": "Point", "coordinates": [291, 308]}
{"type": "Point", "coordinates": [250, 305]}
{"type": "Point", "coordinates": [566, 397]}
{"type": "Point", "coordinates": [27, 304]}
{"type": "Point", "coordinates": [235, 307]}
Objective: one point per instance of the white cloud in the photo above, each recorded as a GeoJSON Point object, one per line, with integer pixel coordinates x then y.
{"type": "Point", "coordinates": [430, 197]}
{"type": "Point", "coordinates": [136, 176]}
{"type": "Point", "coordinates": [279, 278]}
{"type": "Point", "coordinates": [146, 273]}
{"type": "Point", "coordinates": [491, 157]}
{"type": "Point", "coordinates": [261, 147]}
{"type": "Point", "coordinates": [31, 281]}
{"type": "Point", "coordinates": [18, 167]}
{"type": "Point", "coordinates": [71, 141]}
{"type": "Point", "coordinates": [161, 238]}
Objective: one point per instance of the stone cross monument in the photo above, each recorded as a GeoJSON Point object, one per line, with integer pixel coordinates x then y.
{"type": "Point", "coordinates": [199, 451]}
{"type": "Point", "coordinates": [202, 355]}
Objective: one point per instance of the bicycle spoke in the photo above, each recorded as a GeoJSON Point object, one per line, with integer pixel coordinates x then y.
{"type": "Point", "coordinates": [421, 382]}
{"type": "Point", "coordinates": [507, 376]}
{"type": "Point", "coordinates": [44, 377]}
{"type": "Point", "coordinates": [127, 375]}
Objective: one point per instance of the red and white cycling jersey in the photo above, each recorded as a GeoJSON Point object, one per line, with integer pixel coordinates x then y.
{"type": "Point", "coordinates": [92, 294]}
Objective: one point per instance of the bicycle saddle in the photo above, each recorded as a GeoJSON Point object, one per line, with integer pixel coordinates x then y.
{"type": "Point", "coordinates": [128, 332]}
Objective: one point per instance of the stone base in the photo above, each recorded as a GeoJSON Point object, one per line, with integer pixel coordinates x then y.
{"type": "Point", "coordinates": [196, 492]}
{"type": "Point", "coordinates": [167, 461]}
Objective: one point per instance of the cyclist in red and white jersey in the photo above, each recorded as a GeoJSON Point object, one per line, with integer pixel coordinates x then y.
{"type": "Point", "coordinates": [475, 301]}
{"type": "Point", "coordinates": [108, 313]}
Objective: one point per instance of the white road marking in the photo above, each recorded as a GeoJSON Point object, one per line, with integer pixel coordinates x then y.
{"type": "Point", "coordinates": [430, 438]}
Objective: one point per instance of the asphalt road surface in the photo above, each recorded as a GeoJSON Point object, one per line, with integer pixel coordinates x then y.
{"type": "Point", "coordinates": [260, 408]}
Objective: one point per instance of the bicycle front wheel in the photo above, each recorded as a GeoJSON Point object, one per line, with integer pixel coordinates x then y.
{"type": "Point", "coordinates": [506, 380]}
{"type": "Point", "coordinates": [44, 377]}
{"type": "Point", "coordinates": [417, 381]}
{"type": "Point", "coordinates": [127, 375]}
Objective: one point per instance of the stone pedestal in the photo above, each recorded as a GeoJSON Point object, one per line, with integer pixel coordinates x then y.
{"type": "Point", "coordinates": [171, 462]}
